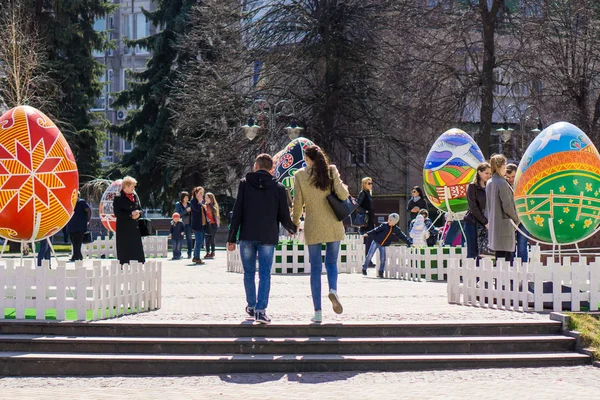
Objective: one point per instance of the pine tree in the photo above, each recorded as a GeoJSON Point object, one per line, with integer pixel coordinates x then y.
{"type": "Point", "coordinates": [67, 28]}
{"type": "Point", "coordinates": [151, 125]}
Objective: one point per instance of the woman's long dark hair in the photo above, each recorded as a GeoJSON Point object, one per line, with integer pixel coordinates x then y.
{"type": "Point", "coordinates": [320, 169]}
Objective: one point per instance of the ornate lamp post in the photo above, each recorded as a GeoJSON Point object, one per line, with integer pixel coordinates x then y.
{"type": "Point", "coordinates": [264, 116]}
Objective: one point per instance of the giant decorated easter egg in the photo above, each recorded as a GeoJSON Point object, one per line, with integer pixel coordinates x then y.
{"type": "Point", "coordinates": [557, 186]}
{"type": "Point", "coordinates": [105, 209]}
{"type": "Point", "coordinates": [38, 176]}
{"type": "Point", "coordinates": [290, 161]}
{"type": "Point", "coordinates": [276, 158]}
{"type": "Point", "coordinates": [450, 166]}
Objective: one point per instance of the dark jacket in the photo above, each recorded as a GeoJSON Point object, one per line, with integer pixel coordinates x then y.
{"type": "Point", "coordinates": [260, 206]}
{"type": "Point", "coordinates": [177, 230]}
{"type": "Point", "coordinates": [198, 215]}
{"type": "Point", "coordinates": [385, 234]}
{"type": "Point", "coordinates": [476, 198]}
{"type": "Point", "coordinates": [79, 220]}
{"type": "Point", "coordinates": [128, 238]}
{"type": "Point", "coordinates": [365, 203]}
{"type": "Point", "coordinates": [419, 203]}
{"type": "Point", "coordinates": [183, 212]}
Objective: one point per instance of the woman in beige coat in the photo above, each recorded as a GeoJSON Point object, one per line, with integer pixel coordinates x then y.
{"type": "Point", "coordinates": [500, 206]}
{"type": "Point", "coordinates": [312, 185]}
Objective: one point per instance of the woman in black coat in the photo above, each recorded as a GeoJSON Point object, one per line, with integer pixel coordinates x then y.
{"type": "Point", "coordinates": [365, 203]}
{"type": "Point", "coordinates": [127, 209]}
{"type": "Point", "coordinates": [416, 202]}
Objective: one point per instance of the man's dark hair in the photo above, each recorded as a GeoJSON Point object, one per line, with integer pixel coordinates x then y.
{"type": "Point", "coordinates": [510, 168]}
{"type": "Point", "coordinates": [264, 161]}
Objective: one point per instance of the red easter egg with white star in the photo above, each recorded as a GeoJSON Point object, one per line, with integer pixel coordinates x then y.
{"type": "Point", "coordinates": [38, 176]}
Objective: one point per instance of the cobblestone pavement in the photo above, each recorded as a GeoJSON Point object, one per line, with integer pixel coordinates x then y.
{"type": "Point", "coordinates": [209, 293]}
{"type": "Point", "coordinates": [489, 384]}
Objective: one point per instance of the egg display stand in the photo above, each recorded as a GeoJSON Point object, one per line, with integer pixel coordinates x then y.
{"type": "Point", "coordinates": [557, 248]}
{"type": "Point", "coordinates": [451, 215]}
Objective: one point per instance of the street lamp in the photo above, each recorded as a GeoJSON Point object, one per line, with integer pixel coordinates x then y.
{"type": "Point", "coordinates": [262, 110]}
{"type": "Point", "coordinates": [521, 118]}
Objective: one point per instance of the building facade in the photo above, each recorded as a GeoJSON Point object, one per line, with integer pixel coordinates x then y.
{"type": "Point", "coordinates": [128, 22]}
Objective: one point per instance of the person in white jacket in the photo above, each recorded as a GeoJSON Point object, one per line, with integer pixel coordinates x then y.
{"type": "Point", "coordinates": [419, 232]}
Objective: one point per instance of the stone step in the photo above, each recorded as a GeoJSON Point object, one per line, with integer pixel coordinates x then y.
{"type": "Point", "coordinates": [291, 329]}
{"type": "Point", "coordinates": [61, 364]}
{"type": "Point", "coordinates": [289, 345]}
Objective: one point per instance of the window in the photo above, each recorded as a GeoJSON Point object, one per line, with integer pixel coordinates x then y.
{"type": "Point", "coordinates": [127, 31]}
{"type": "Point", "coordinates": [359, 152]}
{"type": "Point", "coordinates": [100, 103]}
{"type": "Point", "coordinates": [135, 26]}
{"type": "Point", "coordinates": [531, 8]}
{"type": "Point", "coordinates": [127, 146]}
{"type": "Point", "coordinates": [99, 26]}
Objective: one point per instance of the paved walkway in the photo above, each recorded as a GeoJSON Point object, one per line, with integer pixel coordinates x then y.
{"type": "Point", "coordinates": [209, 293]}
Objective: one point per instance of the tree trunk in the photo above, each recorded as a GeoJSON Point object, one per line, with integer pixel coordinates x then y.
{"type": "Point", "coordinates": [488, 21]}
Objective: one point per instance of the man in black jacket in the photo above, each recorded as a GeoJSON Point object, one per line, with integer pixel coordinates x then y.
{"type": "Point", "coordinates": [260, 206]}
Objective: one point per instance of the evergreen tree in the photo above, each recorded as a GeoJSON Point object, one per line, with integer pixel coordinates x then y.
{"type": "Point", "coordinates": [67, 28]}
{"type": "Point", "coordinates": [151, 125]}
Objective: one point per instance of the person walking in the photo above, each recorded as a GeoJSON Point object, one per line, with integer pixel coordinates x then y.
{"type": "Point", "coordinates": [416, 202]}
{"type": "Point", "coordinates": [383, 236]}
{"type": "Point", "coordinates": [127, 209]}
{"type": "Point", "coordinates": [198, 221]}
{"type": "Point", "coordinates": [475, 218]}
{"type": "Point", "coordinates": [500, 205]}
{"type": "Point", "coordinates": [78, 225]}
{"type": "Point", "coordinates": [366, 204]}
{"type": "Point", "coordinates": [182, 207]}
{"type": "Point", "coordinates": [261, 205]}
{"type": "Point", "coordinates": [312, 185]}
{"type": "Point", "coordinates": [213, 222]}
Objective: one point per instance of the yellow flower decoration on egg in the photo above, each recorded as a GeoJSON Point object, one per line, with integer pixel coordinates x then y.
{"type": "Point", "coordinates": [538, 220]}
{"type": "Point", "coordinates": [587, 223]}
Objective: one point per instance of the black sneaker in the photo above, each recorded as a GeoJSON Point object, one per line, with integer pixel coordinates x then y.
{"type": "Point", "coordinates": [380, 274]}
{"type": "Point", "coordinates": [250, 312]}
{"type": "Point", "coordinates": [261, 316]}
{"type": "Point", "coordinates": [372, 264]}
{"type": "Point", "coordinates": [364, 272]}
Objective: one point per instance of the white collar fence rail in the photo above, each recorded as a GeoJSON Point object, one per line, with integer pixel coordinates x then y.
{"type": "Point", "coordinates": [569, 285]}
{"type": "Point", "coordinates": [83, 291]}
{"type": "Point", "coordinates": [154, 246]}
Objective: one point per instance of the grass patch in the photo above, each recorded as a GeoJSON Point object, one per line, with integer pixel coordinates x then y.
{"type": "Point", "coordinates": [589, 327]}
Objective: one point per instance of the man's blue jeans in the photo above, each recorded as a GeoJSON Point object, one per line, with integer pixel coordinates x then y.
{"type": "Point", "coordinates": [249, 250]}
{"type": "Point", "coordinates": [332, 249]}
{"type": "Point", "coordinates": [374, 247]}
{"type": "Point", "coordinates": [472, 247]}
{"type": "Point", "coordinates": [44, 253]}
{"type": "Point", "coordinates": [522, 242]}
{"type": "Point", "coordinates": [188, 238]}
{"type": "Point", "coordinates": [199, 242]}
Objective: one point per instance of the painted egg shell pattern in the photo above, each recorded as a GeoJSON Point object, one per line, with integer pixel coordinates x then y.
{"type": "Point", "coordinates": [38, 176]}
{"type": "Point", "coordinates": [106, 211]}
{"type": "Point", "coordinates": [557, 186]}
{"type": "Point", "coordinates": [450, 166]}
{"type": "Point", "coordinates": [290, 161]}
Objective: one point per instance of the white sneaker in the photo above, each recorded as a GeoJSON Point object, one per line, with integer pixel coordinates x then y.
{"type": "Point", "coordinates": [318, 317]}
{"type": "Point", "coordinates": [335, 301]}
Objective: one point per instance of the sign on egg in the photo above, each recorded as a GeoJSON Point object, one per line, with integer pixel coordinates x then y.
{"type": "Point", "coordinates": [38, 176]}
{"type": "Point", "coordinates": [557, 186]}
{"type": "Point", "coordinates": [450, 166]}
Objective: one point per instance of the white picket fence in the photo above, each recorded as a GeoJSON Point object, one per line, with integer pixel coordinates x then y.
{"type": "Point", "coordinates": [570, 285]}
{"type": "Point", "coordinates": [154, 246]}
{"type": "Point", "coordinates": [418, 264]}
{"type": "Point", "coordinates": [293, 258]}
{"type": "Point", "coordinates": [90, 290]}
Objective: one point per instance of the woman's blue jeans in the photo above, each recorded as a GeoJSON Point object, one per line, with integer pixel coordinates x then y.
{"type": "Point", "coordinates": [188, 238]}
{"type": "Point", "coordinates": [248, 253]}
{"type": "Point", "coordinates": [316, 268]}
{"type": "Point", "coordinates": [199, 235]}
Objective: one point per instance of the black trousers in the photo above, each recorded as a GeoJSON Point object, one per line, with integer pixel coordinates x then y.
{"type": "Point", "coordinates": [77, 240]}
{"type": "Point", "coordinates": [507, 255]}
{"type": "Point", "coordinates": [209, 239]}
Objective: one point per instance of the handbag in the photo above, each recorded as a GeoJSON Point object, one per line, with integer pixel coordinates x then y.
{"type": "Point", "coordinates": [360, 219]}
{"type": "Point", "coordinates": [87, 237]}
{"type": "Point", "coordinates": [483, 244]}
{"type": "Point", "coordinates": [145, 226]}
{"type": "Point", "coordinates": [341, 208]}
